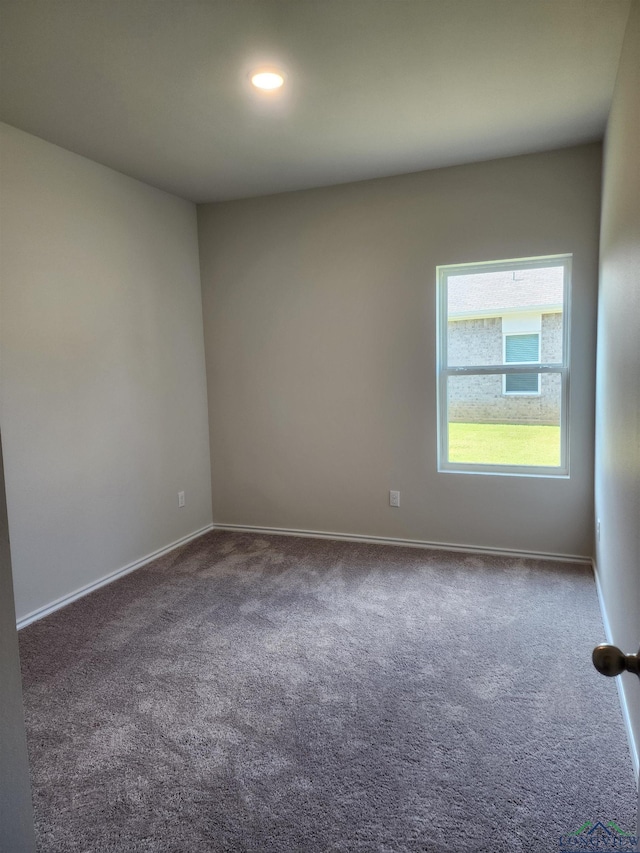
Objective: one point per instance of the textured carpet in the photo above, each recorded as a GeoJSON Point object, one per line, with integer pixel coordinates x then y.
{"type": "Point", "coordinates": [272, 694]}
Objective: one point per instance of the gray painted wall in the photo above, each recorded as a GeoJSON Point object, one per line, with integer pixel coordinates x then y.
{"type": "Point", "coordinates": [104, 411]}
{"type": "Point", "coordinates": [319, 316]}
{"type": "Point", "coordinates": [16, 813]}
{"type": "Point", "coordinates": [617, 492]}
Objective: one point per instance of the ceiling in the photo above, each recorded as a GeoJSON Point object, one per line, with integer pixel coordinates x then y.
{"type": "Point", "coordinates": [159, 89]}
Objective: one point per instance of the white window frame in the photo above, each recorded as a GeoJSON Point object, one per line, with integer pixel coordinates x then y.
{"type": "Point", "coordinates": [444, 371]}
{"type": "Point", "coordinates": [506, 335]}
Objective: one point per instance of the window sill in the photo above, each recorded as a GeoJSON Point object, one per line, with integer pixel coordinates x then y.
{"type": "Point", "coordinates": [502, 471]}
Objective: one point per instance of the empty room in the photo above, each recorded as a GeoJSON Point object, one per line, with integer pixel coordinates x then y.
{"type": "Point", "coordinates": [320, 426]}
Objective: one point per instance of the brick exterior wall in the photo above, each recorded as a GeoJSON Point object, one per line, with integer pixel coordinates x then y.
{"type": "Point", "coordinates": [479, 399]}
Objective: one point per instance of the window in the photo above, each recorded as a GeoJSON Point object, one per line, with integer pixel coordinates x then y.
{"type": "Point", "coordinates": [497, 321]}
{"type": "Point", "coordinates": [522, 349]}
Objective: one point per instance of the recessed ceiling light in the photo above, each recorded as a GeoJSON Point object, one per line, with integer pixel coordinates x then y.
{"type": "Point", "coordinates": [267, 80]}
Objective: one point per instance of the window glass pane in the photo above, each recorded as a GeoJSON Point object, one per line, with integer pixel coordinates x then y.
{"type": "Point", "coordinates": [487, 427]}
{"type": "Point", "coordinates": [521, 383]}
{"type": "Point", "coordinates": [518, 348]}
{"type": "Point", "coordinates": [484, 307]}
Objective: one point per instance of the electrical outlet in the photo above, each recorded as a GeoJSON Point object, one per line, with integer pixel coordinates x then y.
{"type": "Point", "coordinates": [180, 499]}
{"type": "Point", "coordinates": [394, 498]}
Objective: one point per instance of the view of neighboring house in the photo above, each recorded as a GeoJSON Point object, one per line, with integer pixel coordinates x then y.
{"type": "Point", "coordinates": [505, 317]}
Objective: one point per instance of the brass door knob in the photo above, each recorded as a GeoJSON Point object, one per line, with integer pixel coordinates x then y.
{"type": "Point", "coordinates": [609, 660]}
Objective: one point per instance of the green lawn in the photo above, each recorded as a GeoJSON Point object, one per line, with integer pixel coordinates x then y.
{"type": "Point", "coordinates": [504, 444]}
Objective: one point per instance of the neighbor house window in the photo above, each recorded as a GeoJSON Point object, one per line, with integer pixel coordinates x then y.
{"type": "Point", "coordinates": [503, 366]}
{"type": "Point", "coordinates": [522, 349]}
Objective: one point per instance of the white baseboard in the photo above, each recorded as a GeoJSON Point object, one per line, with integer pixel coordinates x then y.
{"type": "Point", "coordinates": [407, 543]}
{"type": "Point", "coordinates": [41, 612]}
{"type": "Point", "coordinates": [620, 682]}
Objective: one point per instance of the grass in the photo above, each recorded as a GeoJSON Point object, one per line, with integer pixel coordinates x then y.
{"type": "Point", "coordinates": [504, 444]}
